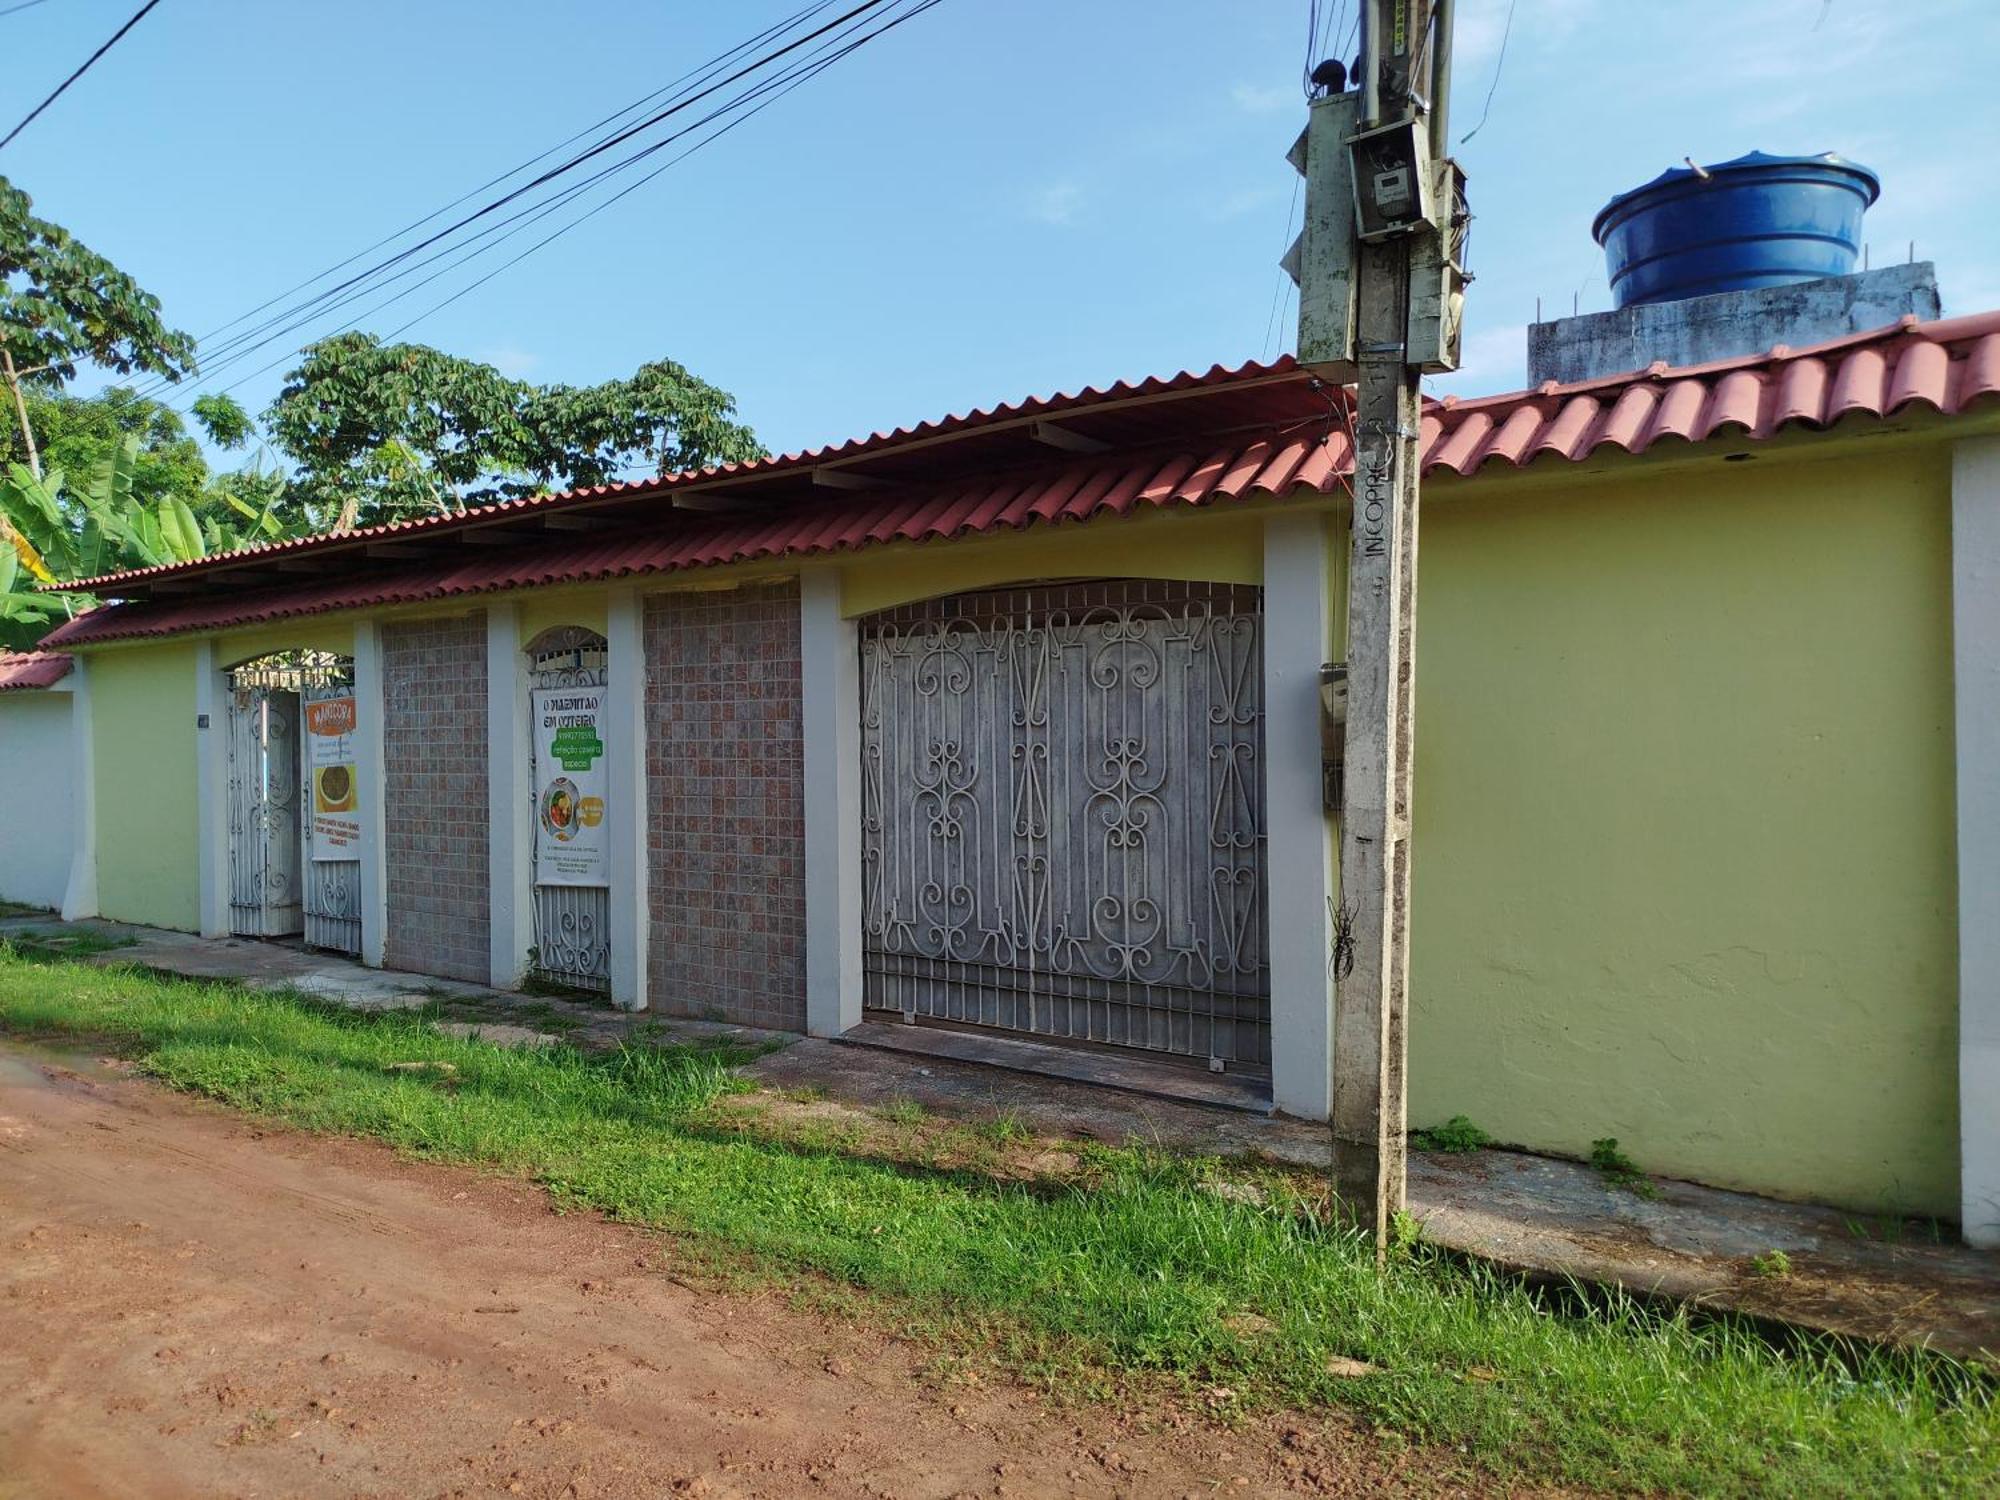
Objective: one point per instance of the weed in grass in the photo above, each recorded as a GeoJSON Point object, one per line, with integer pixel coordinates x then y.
{"type": "Point", "coordinates": [554, 989]}
{"type": "Point", "coordinates": [1406, 1232]}
{"type": "Point", "coordinates": [1456, 1135]}
{"type": "Point", "coordinates": [1618, 1169]}
{"type": "Point", "coordinates": [1893, 1229]}
{"type": "Point", "coordinates": [904, 1112]}
{"type": "Point", "coordinates": [1774, 1265]}
{"type": "Point", "coordinates": [1006, 1128]}
{"type": "Point", "coordinates": [1120, 1283]}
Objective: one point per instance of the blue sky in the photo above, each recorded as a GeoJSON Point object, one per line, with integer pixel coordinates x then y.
{"type": "Point", "coordinates": [1003, 198]}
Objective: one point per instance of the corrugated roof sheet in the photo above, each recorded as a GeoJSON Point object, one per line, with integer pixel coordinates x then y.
{"type": "Point", "coordinates": [24, 670]}
{"type": "Point", "coordinates": [1271, 431]}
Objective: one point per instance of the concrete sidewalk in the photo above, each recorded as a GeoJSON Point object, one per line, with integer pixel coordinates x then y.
{"type": "Point", "coordinates": [1854, 1274]}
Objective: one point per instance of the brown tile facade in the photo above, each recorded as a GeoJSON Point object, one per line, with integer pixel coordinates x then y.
{"type": "Point", "coordinates": [726, 816]}
{"type": "Point", "coordinates": [435, 809]}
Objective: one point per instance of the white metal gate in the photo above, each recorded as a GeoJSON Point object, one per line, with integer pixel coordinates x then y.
{"type": "Point", "coordinates": [276, 886]}
{"type": "Point", "coordinates": [572, 922]}
{"type": "Point", "coordinates": [332, 886]}
{"type": "Point", "coordinates": [263, 803]}
{"type": "Point", "coordinates": [1063, 815]}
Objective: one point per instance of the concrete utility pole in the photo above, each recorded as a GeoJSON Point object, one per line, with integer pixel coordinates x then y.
{"type": "Point", "coordinates": [1380, 302]}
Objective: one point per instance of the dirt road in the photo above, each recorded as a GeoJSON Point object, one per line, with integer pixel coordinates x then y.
{"type": "Point", "coordinates": [193, 1306]}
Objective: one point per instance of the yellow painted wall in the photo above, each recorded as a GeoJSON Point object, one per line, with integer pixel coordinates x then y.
{"type": "Point", "coordinates": [330, 633]}
{"type": "Point", "coordinates": [1684, 863]}
{"type": "Point", "coordinates": [543, 609]}
{"type": "Point", "coordinates": [1217, 546]}
{"type": "Point", "coordinates": [143, 746]}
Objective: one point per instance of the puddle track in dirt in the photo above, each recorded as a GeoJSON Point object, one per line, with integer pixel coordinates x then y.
{"type": "Point", "coordinates": [195, 1305]}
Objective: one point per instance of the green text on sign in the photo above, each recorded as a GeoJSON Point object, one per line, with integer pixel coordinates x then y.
{"type": "Point", "coordinates": [576, 746]}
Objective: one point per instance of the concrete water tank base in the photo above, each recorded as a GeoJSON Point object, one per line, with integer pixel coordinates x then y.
{"type": "Point", "coordinates": [1726, 325]}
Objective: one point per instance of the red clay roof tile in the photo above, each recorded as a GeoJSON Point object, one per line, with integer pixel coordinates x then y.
{"type": "Point", "coordinates": [1193, 439]}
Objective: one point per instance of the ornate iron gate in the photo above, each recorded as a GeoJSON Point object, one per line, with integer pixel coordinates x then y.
{"type": "Point", "coordinates": [1063, 815]}
{"type": "Point", "coordinates": [572, 922]}
{"type": "Point", "coordinates": [263, 803]}
{"type": "Point", "coordinates": [332, 886]}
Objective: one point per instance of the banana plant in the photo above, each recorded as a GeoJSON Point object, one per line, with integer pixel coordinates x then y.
{"type": "Point", "coordinates": [54, 530]}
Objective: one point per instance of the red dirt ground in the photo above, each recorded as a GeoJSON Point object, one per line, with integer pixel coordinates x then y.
{"type": "Point", "coordinates": [193, 1305]}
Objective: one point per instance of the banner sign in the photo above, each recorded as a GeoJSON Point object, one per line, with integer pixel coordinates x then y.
{"type": "Point", "coordinates": [569, 787]}
{"type": "Point", "coordinates": [336, 816]}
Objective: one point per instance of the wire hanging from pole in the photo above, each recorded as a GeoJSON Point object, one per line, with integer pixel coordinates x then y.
{"type": "Point", "coordinates": [63, 87]}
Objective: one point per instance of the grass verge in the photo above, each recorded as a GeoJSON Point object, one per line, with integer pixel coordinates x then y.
{"type": "Point", "coordinates": [1136, 1270]}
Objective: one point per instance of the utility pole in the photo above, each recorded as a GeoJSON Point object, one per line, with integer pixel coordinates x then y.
{"type": "Point", "coordinates": [1380, 303]}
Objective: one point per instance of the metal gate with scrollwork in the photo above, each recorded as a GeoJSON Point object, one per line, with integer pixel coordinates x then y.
{"type": "Point", "coordinates": [263, 804]}
{"type": "Point", "coordinates": [276, 886]}
{"type": "Point", "coordinates": [1063, 815]}
{"type": "Point", "coordinates": [572, 922]}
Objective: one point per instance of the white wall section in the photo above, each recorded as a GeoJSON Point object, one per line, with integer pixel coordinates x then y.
{"type": "Point", "coordinates": [80, 896]}
{"type": "Point", "coordinates": [370, 770]}
{"type": "Point", "coordinates": [625, 774]}
{"type": "Point", "coordinates": [37, 840]}
{"type": "Point", "coordinates": [211, 741]}
{"type": "Point", "coordinates": [1299, 864]}
{"type": "Point", "coordinates": [830, 707]}
{"type": "Point", "coordinates": [509, 794]}
{"type": "Point", "coordinates": [1975, 608]}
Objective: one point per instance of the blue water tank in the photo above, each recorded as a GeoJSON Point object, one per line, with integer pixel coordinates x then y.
{"type": "Point", "coordinates": [1756, 221]}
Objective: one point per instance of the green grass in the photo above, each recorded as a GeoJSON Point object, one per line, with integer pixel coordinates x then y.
{"type": "Point", "coordinates": [1131, 1277]}
{"type": "Point", "coordinates": [78, 942]}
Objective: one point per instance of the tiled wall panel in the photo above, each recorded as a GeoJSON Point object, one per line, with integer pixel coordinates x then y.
{"type": "Point", "coordinates": [434, 805]}
{"type": "Point", "coordinates": [726, 819]}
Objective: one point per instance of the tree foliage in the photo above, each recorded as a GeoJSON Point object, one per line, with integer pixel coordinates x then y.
{"type": "Point", "coordinates": [95, 484]}
{"type": "Point", "coordinates": [62, 304]}
{"type": "Point", "coordinates": [381, 432]}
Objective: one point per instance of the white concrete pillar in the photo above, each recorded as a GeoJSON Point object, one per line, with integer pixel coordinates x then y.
{"type": "Point", "coordinates": [626, 810]}
{"type": "Point", "coordinates": [830, 669]}
{"type": "Point", "coordinates": [510, 834]}
{"type": "Point", "coordinates": [370, 772]}
{"type": "Point", "coordinates": [1975, 612]}
{"type": "Point", "coordinates": [211, 720]}
{"type": "Point", "coordinates": [1299, 863]}
{"type": "Point", "coordinates": [80, 895]}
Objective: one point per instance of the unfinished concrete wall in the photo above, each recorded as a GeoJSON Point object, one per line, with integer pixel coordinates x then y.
{"type": "Point", "coordinates": [725, 805]}
{"type": "Point", "coordinates": [434, 796]}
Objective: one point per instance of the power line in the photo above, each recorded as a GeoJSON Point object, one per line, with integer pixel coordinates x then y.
{"type": "Point", "coordinates": [296, 316]}
{"type": "Point", "coordinates": [1498, 62]}
{"type": "Point", "coordinates": [137, 17]}
{"type": "Point", "coordinates": [830, 51]}
{"type": "Point", "coordinates": [358, 287]}
{"type": "Point", "coordinates": [24, 5]}
{"type": "Point", "coordinates": [665, 90]}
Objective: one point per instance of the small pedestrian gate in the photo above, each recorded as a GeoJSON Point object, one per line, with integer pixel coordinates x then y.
{"type": "Point", "coordinates": [264, 899]}
{"type": "Point", "coordinates": [1063, 816]}
{"type": "Point", "coordinates": [572, 922]}
{"type": "Point", "coordinates": [333, 879]}
{"type": "Point", "coordinates": [277, 885]}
